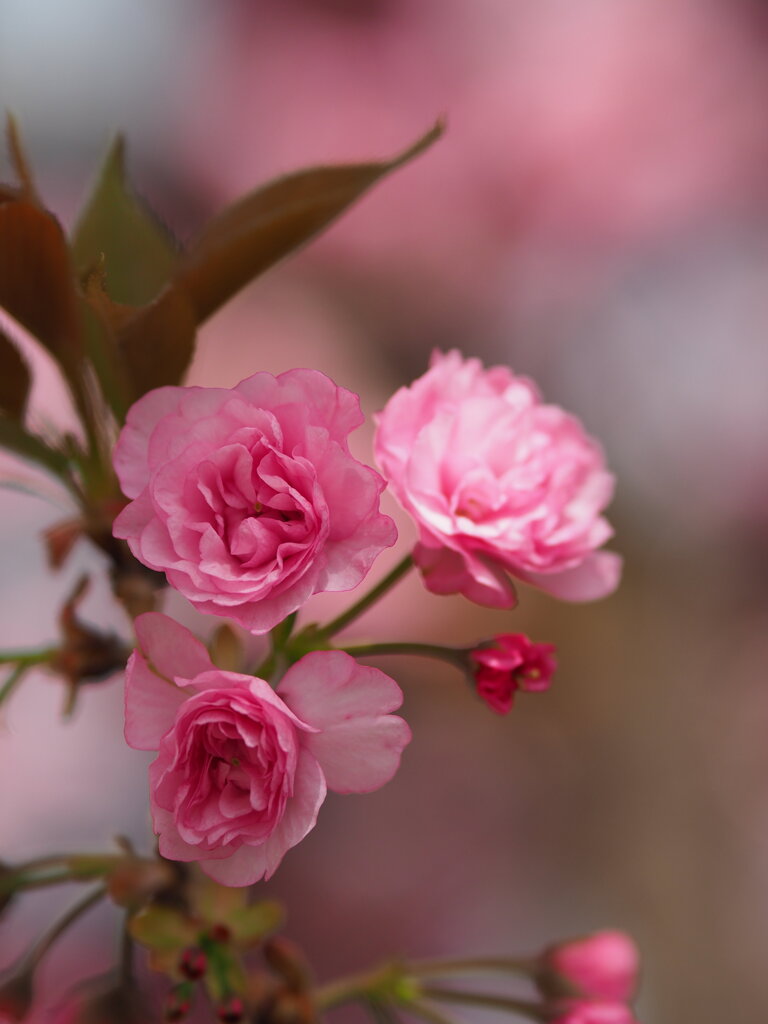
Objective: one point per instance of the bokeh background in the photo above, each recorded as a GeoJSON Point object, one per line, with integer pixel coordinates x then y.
{"type": "Point", "coordinates": [596, 217]}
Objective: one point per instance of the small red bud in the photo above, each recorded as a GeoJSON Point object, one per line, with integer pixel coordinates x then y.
{"type": "Point", "coordinates": [231, 1011]}
{"type": "Point", "coordinates": [219, 933]}
{"type": "Point", "coordinates": [193, 963]}
{"type": "Point", "coordinates": [177, 1006]}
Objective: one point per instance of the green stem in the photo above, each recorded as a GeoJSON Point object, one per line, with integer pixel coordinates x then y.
{"type": "Point", "coordinates": [506, 1004]}
{"type": "Point", "coordinates": [27, 658]}
{"type": "Point", "coordinates": [74, 868]}
{"type": "Point", "coordinates": [39, 950]}
{"type": "Point", "coordinates": [453, 655]}
{"type": "Point", "coordinates": [12, 682]}
{"type": "Point", "coordinates": [365, 602]}
{"type": "Point", "coordinates": [358, 986]}
{"type": "Point", "coordinates": [126, 972]}
{"type": "Point", "coordinates": [432, 968]}
{"type": "Point", "coordinates": [429, 1013]}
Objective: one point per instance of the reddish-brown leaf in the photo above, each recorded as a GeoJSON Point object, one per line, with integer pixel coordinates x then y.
{"type": "Point", "coordinates": [157, 343]}
{"type": "Point", "coordinates": [15, 379]}
{"type": "Point", "coordinates": [266, 225]}
{"type": "Point", "coordinates": [36, 280]}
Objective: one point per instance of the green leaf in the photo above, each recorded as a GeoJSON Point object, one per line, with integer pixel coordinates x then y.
{"type": "Point", "coordinates": [102, 349]}
{"type": "Point", "coordinates": [139, 252]}
{"type": "Point", "coordinates": [266, 225]}
{"type": "Point", "coordinates": [250, 924]}
{"type": "Point", "coordinates": [37, 285]}
{"type": "Point", "coordinates": [15, 380]}
{"type": "Point", "coordinates": [16, 440]}
{"type": "Point", "coordinates": [162, 928]}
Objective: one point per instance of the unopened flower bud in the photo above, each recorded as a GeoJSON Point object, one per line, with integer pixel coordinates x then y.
{"type": "Point", "coordinates": [600, 966]}
{"type": "Point", "coordinates": [6, 891]}
{"type": "Point", "coordinates": [134, 880]}
{"type": "Point", "coordinates": [510, 663]}
{"type": "Point", "coordinates": [231, 1011]}
{"type": "Point", "coordinates": [85, 655]}
{"type": "Point", "coordinates": [16, 994]}
{"type": "Point", "coordinates": [590, 1011]}
{"type": "Point", "coordinates": [193, 963]}
{"type": "Point", "coordinates": [177, 1004]}
{"type": "Point", "coordinates": [220, 933]}
{"type": "Point", "coordinates": [287, 1007]}
{"type": "Point", "coordinates": [286, 959]}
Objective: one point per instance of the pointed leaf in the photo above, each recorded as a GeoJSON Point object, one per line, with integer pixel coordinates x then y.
{"type": "Point", "coordinates": [157, 343]}
{"type": "Point", "coordinates": [214, 903]}
{"type": "Point", "coordinates": [264, 226]}
{"type": "Point", "coordinates": [162, 928]}
{"type": "Point", "coordinates": [249, 925]}
{"type": "Point", "coordinates": [16, 440]}
{"type": "Point", "coordinates": [36, 280]}
{"type": "Point", "coordinates": [139, 252]}
{"type": "Point", "coordinates": [15, 379]}
{"type": "Point", "coordinates": [98, 315]}
{"type": "Point", "coordinates": [19, 158]}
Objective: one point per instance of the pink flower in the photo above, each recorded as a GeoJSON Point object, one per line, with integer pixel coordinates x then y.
{"type": "Point", "coordinates": [602, 966]}
{"type": "Point", "coordinates": [498, 483]}
{"type": "Point", "coordinates": [248, 499]}
{"type": "Point", "coordinates": [514, 663]}
{"type": "Point", "coordinates": [241, 770]}
{"type": "Point", "coordinates": [589, 1011]}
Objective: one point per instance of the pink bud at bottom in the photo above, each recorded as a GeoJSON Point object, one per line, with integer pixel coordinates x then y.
{"type": "Point", "coordinates": [231, 1011]}
{"type": "Point", "coordinates": [600, 966]}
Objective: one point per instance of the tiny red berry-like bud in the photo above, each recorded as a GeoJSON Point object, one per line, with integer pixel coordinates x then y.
{"type": "Point", "coordinates": [193, 963]}
{"type": "Point", "coordinates": [231, 1011]}
{"type": "Point", "coordinates": [220, 933]}
{"type": "Point", "coordinates": [177, 1006]}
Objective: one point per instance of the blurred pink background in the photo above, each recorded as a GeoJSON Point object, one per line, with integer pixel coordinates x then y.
{"type": "Point", "coordinates": [597, 217]}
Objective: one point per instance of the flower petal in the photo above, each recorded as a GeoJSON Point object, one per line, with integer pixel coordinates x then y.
{"type": "Point", "coordinates": [130, 454]}
{"type": "Point", "coordinates": [300, 812]}
{"type": "Point", "coordinates": [362, 754]}
{"type": "Point", "coordinates": [596, 577]}
{"type": "Point", "coordinates": [170, 647]}
{"type": "Point", "coordinates": [151, 704]}
{"type": "Point", "coordinates": [326, 688]}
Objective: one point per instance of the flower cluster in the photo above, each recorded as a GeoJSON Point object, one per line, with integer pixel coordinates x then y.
{"type": "Point", "coordinates": [250, 502]}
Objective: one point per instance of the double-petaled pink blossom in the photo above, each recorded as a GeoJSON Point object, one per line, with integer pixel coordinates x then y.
{"type": "Point", "coordinates": [499, 484]}
{"type": "Point", "coordinates": [248, 498]}
{"type": "Point", "coordinates": [242, 770]}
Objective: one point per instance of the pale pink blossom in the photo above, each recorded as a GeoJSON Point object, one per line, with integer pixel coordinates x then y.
{"type": "Point", "coordinates": [248, 498]}
{"type": "Point", "coordinates": [513, 662]}
{"type": "Point", "coordinates": [604, 965]}
{"type": "Point", "coordinates": [592, 1011]}
{"type": "Point", "coordinates": [498, 483]}
{"type": "Point", "coordinates": [242, 770]}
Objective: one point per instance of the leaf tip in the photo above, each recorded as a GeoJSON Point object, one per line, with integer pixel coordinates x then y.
{"type": "Point", "coordinates": [428, 139]}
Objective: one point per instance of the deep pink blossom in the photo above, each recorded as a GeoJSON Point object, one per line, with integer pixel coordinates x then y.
{"type": "Point", "coordinates": [604, 965]}
{"type": "Point", "coordinates": [248, 499]}
{"type": "Point", "coordinates": [514, 662]}
{"type": "Point", "coordinates": [498, 483]}
{"type": "Point", "coordinates": [592, 1011]}
{"type": "Point", "coordinates": [242, 770]}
